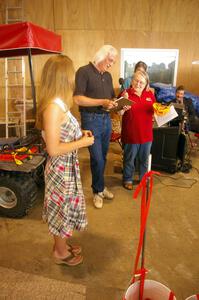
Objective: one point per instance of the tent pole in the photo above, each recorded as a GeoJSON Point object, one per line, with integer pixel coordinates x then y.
{"type": "Point", "coordinates": [32, 82]}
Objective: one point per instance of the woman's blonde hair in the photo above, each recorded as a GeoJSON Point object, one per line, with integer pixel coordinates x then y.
{"type": "Point", "coordinates": [57, 81]}
{"type": "Point", "coordinates": [144, 75]}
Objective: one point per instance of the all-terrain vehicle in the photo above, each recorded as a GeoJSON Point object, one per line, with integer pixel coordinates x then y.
{"type": "Point", "coordinates": [22, 163]}
{"type": "Point", "coordinates": [22, 157]}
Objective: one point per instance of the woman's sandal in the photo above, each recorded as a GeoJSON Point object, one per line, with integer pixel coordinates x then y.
{"type": "Point", "coordinates": [75, 249]}
{"type": "Point", "coordinates": [70, 261]}
{"type": "Point", "coordinates": [128, 186]}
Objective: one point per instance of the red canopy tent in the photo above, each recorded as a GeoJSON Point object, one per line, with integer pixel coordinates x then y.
{"type": "Point", "coordinates": [25, 38]}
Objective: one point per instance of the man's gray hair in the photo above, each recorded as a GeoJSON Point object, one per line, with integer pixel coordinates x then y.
{"type": "Point", "coordinates": [103, 52]}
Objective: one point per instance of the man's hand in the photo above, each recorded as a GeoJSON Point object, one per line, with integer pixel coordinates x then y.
{"type": "Point", "coordinates": [109, 104]}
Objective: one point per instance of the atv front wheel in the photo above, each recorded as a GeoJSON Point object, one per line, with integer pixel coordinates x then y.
{"type": "Point", "coordinates": [17, 194]}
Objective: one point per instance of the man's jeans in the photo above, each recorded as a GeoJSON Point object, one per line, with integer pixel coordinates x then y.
{"type": "Point", "coordinates": [131, 151]}
{"type": "Point", "coordinates": [100, 125]}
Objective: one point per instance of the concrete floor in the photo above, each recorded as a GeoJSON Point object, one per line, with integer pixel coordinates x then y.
{"type": "Point", "coordinates": [110, 243]}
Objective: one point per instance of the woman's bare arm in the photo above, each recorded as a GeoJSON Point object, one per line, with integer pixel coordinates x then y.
{"type": "Point", "coordinates": [53, 118]}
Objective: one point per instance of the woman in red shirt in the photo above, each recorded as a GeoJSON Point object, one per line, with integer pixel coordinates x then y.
{"type": "Point", "coordinates": [137, 128]}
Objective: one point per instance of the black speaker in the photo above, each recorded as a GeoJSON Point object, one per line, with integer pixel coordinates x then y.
{"type": "Point", "coordinates": [165, 148]}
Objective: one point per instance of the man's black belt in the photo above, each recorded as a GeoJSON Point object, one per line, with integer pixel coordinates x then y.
{"type": "Point", "coordinates": [95, 112]}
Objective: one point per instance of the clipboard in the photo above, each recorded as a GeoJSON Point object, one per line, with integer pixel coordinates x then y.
{"type": "Point", "coordinates": [122, 101]}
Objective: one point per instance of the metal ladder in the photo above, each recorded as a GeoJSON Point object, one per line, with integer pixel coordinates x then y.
{"type": "Point", "coordinates": [15, 88]}
{"type": "Point", "coordinates": [14, 12]}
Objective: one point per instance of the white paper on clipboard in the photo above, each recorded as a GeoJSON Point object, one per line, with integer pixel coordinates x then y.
{"type": "Point", "coordinates": [170, 115]}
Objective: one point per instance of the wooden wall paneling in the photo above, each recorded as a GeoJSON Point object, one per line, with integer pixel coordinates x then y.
{"type": "Point", "coordinates": [175, 16]}
{"type": "Point", "coordinates": [187, 16]}
{"type": "Point", "coordinates": [194, 70]}
{"type": "Point", "coordinates": [124, 38]}
{"type": "Point", "coordinates": [163, 15]}
{"type": "Point", "coordinates": [69, 14]}
{"type": "Point", "coordinates": [40, 12]}
{"type": "Point", "coordinates": [79, 14]}
{"type": "Point", "coordinates": [2, 11]}
{"type": "Point", "coordinates": [127, 15]}
{"type": "Point", "coordinates": [156, 15]}
{"type": "Point", "coordinates": [94, 16]}
{"type": "Point", "coordinates": [195, 46]}
{"type": "Point", "coordinates": [193, 85]}
{"type": "Point", "coordinates": [81, 45]}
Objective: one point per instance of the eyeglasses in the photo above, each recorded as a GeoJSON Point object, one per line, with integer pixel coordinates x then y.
{"type": "Point", "coordinates": [110, 61]}
{"type": "Point", "coordinates": [139, 82]}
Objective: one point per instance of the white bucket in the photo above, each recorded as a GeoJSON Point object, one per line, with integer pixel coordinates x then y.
{"type": "Point", "coordinates": [153, 290]}
{"type": "Point", "coordinates": [193, 297]}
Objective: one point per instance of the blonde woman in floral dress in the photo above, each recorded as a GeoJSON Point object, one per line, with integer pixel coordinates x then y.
{"type": "Point", "coordinates": [64, 203]}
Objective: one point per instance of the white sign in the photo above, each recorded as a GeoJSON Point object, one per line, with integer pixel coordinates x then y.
{"type": "Point", "coordinates": [170, 115]}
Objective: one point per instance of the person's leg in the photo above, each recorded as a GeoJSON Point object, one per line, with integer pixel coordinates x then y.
{"type": "Point", "coordinates": [94, 122]}
{"type": "Point", "coordinates": [60, 248]}
{"type": "Point", "coordinates": [143, 156]}
{"type": "Point", "coordinates": [99, 150]}
{"type": "Point", "coordinates": [130, 152]}
{"type": "Point", "coordinates": [106, 135]}
{"type": "Point", "coordinates": [194, 125]}
{"type": "Point", "coordinates": [97, 165]}
{"type": "Point", "coordinates": [63, 253]}
{"type": "Point", "coordinates": [107, 129]}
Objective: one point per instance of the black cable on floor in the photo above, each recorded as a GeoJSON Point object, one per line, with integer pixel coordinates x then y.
{"type": "Point", "coordinates": [195, 169]}
{"type": "Point", "coordinates": [176, 179]}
